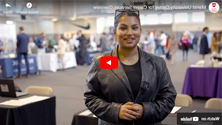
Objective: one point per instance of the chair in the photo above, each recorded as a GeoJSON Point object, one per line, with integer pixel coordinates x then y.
{"type": "Point", "coordinates": [214, 103]}
{"type": "Point", "coordinates": [183, 100]}
{"type": "Point", "coordinates": [39, 90]}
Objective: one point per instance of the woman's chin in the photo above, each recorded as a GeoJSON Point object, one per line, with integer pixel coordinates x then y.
{"type": "Point", "coordinates": [132, 45]}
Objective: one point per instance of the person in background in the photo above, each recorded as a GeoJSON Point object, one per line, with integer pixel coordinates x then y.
{"type": "Point", "coordinates": [185, 45]}
{"type": "Point", "coordinates": [157, 44]}
{"type": "Point", "coordinates": [163, 39]}
{"type": "Point", "coordinates": [103, 43]}
{"type": "Point", "coordinates": [82, 47]}
{"type": "Point", "coordinates": [172, 47]}
{"type": "Point", "coordinates": [31, 45]}
{"type": "Point", "coordinates": [195, 41]}
{"type": "Point", "coordinates": [40, 43]}
{"type": "Point", "coordinates": [151, 41]}
{"type": "Point", "coordinates": [219, 38]}
{"type": "Point", "coordinates": [204, 49]}
{"type": "Point", "coordinates": [61, 49]}
{"type": "Point", "coordinates": [215, 43]}
{"type": "Point", "coordinates": [93, 45]}
{"type": "Point", "coordinates": [22, 49]}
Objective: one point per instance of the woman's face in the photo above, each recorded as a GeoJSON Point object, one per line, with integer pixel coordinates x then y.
{"type": "Point", "coordinates": [172, 36]}
{"type": "Point", "coordinates": [128, 31]}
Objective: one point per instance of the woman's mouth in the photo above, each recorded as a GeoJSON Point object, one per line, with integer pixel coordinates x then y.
{"type": "Point", "coordinates": [129, 40]}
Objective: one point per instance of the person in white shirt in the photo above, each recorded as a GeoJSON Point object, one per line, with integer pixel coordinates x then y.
{"type": "Point", "coordinates": [75, 42]}
{"type": "Point", "coordinates": [151, 41]}
{"type": "Point", "coordinates": [163, 39]}
{"type": "Point", "coordinates": [61, 50]}
{"type": "Point", "coordinates": [93, 45]}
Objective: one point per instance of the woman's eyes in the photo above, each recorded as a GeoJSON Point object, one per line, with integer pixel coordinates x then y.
{"type": "Point", "coordinates": [134, 28]}
{"type": "Point", "coordinates": [123, 28]}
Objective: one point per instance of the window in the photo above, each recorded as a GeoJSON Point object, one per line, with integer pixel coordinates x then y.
{"type": "Point", "coordinates": [181, 18]}
{"type": "Point", "coordinates": [152, 19]}
{"type": "Point", "coordinates": [166, 18]}
{"type": "Point", "coordinates": [110, 21]}
{"type": "Point", "coordinates": [198, 16]}
{"type": "Point", "coordinates": [100, 23]}
{"type": "Point", "coordinates": [142, 20]}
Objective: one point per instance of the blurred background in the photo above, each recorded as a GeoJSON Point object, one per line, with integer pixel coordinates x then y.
{"type": "Point", "coordinates": [47, 21]}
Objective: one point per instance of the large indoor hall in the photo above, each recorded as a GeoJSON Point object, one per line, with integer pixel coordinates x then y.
{"type": "Point", "coordinates": [110, 62]}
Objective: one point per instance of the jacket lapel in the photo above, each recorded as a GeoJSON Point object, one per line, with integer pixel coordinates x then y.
{"type": "Point", "coordinates": [146, 67]}
{"type": "Point", "coordinates": [120, 73]}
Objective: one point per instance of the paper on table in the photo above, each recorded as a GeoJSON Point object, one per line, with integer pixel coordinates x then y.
{"type": "Point", "coordinates": [85, 113]}
{"type": "Point", "coordinates": [33, 99]}
{"type": "Point", "coordinates": [175, 109]}
{"type": "Point", "coordinates": [24, 101]}
{"type": "Point", "coordinates": [12, 103]}
{"type": "Point", "coordinates": [94, 116]}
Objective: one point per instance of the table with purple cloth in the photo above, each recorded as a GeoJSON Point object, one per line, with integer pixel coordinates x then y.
{"type": "Point", "coordinates": [203, 82]}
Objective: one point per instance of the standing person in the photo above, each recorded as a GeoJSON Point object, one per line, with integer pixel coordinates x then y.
{"type": "Point", "coordinates": [22, 49]}
{"type": "Point", "coordinates": [215, 43]}
{"type": "Point", "coordinates": [103, 43]}
{"type": "Point", "coordinates": [139, 91]}
{"type": "Point", "coordinates": [172, 47]}
{"type": "Point", "coordinates": [195, 41]}
{"type": "Point", "coordinates": [185, 45]}
{"type": "Point", "coordinates": [219, 38]}
{"type": "Point", "coordinates": [151, 41]}
{"type": "Point", "coordinates": [40, 42]}
{"type": "Point", "coordinates": [204, 49]}
{"type": "Point", "coordinates": [82, 47]}
{"type": "Point", "coordinates": [61, 50]}
{"type": "Point", "coordinates": [163, 40]}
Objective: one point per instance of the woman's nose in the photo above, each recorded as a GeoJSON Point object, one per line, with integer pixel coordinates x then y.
{"type": "Point", "coordinates": [129, 32]}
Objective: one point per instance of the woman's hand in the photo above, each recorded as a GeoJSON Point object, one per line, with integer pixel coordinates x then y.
{"type": "Point", "coordinates": [129, 112]}
{"type": "Point", "coordinates": [141, 109]}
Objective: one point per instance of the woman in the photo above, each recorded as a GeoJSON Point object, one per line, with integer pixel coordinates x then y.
{"type": "Point", "coordinates": [215, 43]}
{"type": "Point", "coordinates": [172, 47]}
{"type": "Point", "coordinates": [185, 45]}
{"type": "Point", "coordinates": [140, 90]}
{"type": "Point", "coordinates": [61, 50]}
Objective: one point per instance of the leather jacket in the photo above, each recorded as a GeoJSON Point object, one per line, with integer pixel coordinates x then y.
{"type": "Point", "coordinates": [107, 89]}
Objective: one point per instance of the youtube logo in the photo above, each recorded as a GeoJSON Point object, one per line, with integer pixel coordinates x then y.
{"type": "Point", "coordinates": [109, 62]}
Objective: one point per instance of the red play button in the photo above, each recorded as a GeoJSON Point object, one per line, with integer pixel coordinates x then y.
{"type": "Point", "coordinates": [109, 62]}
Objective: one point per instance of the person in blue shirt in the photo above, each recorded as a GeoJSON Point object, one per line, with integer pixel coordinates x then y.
{"type": "Point", "coordinates": [22, 49]}
{"type": "Point", "coordinates": [40, 43]}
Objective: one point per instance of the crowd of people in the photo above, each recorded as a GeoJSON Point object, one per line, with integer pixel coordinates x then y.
{"type": "Point", "coordinates": [164, 44]}
{"type": "Point", "coordinates": [159, 44]}
{"type": "Point", "coordinates": [79, 43]}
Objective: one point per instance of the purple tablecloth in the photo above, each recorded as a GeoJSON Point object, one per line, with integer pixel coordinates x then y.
{"type": "Point", "coordinates": [203, 82]}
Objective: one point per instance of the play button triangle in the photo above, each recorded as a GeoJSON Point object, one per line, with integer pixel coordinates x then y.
{"type": "Point", "coordinates": [109, 62]}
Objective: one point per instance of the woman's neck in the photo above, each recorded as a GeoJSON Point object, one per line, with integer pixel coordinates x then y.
{"type": "Point", "coordinates": [128, 55]}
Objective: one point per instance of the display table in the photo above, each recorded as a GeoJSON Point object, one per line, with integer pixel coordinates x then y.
{"type": "Point", "coordinates": [203, 82]}
{"type": "Point", "coordinates": [37, 113]}
{"type": "Point", "coordinates": [171, 119]}
{"type": "Point", "coordinates": [51, 62]}
{"type": "Point", "coordinates": [9, 66]}
{"type": "Point", "coordinates": [88, 56]}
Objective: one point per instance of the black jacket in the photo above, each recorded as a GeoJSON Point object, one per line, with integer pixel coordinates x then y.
{"type": "Point", "coordinates": [204, 49]}
{"type": "Point", "coordinates": [107, 89]}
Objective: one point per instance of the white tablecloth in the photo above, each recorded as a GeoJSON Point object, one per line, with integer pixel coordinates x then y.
{"type": "Point", "coordinates": [51, 62]}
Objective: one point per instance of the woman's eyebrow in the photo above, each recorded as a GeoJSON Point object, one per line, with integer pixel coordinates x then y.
{"type": "Point", "coordinates": [123, 24]}
{"type": "Point", "coordinates": [127, 25]}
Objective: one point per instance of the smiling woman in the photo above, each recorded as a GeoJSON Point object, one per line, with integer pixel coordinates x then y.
{"type": "Point", "coordinates": [139, 91]}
